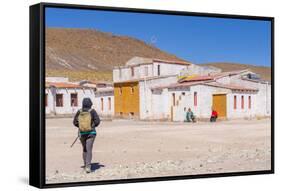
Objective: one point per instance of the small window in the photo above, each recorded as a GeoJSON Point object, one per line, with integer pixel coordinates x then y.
{"type": "Point", "coordinates": [158, 70]}
{"type": "Point", "coordinates": [109, 103]}
{"type": "Point", "coordinates": [195, 98]}
{"type": "Point", "coordinates": [249, 102]}
{"type": "Point", "coordinates": [46, 100]}
{"type": "Point", "coordinates": [174, 99]}
{"type": "Point", "coordinates": [235, 102]}
{"type": "Point", "coordinates": [146, 71]}
{"type": "Point", "coordinates": [73, 100]}
{"type": "Point", "coordinates": [59, 100]}
{"type": "Point", "coordinates": [183, 93]}
{"type": "Point", "coordinates": [102, 104]}
{"type": "Point", "coordinates": [242, 102]}
{"type": "Point", "coordinates": [120, 90]}
{"type": "Point", "coordinates": [132, 90]}
{"type": "Point", "coordinates": [132, 71]}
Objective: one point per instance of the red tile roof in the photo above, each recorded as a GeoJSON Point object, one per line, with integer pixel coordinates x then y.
{"type": "Point", "coordinates": [62, 85]}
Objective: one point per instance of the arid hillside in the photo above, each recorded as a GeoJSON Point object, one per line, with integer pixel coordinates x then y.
{"type": "Point", "coordinates": [91, 54]}
{"type": "Point", "coordinates": [82, 49]}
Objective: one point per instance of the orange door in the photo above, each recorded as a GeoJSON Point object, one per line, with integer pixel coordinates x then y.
{"type": "Point", "coordinates": [219, 104]}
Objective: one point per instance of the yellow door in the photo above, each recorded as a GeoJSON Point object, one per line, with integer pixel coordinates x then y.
{"type": "Point", "coordinates": [219, 104]}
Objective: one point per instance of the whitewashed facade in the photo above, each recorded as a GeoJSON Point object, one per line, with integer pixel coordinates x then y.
{"type": "Point", "coordinates": [255, 95]}
{"type": "Point", "coordinates": [140, 68]}
{"type": "Point", "coordinates": [154, 72]}
{"type": "Point", "coordinates": [67, 106]}
{"type": "Point", "coordinates": [162, 96]}
{"type": "Point", "coordinates": [65, 98]}
{"type": "Point", "coordinates": [104, 102]}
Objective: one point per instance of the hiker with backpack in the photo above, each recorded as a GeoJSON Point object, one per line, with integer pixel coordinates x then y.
{"type": "Point", "coordinates": [87, 119]}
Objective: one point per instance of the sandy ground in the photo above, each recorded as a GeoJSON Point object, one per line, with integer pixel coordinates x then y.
{"type": "Point", "coordinates": [133, 149]}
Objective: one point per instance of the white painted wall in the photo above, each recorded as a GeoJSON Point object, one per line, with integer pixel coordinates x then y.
{"type": "Point", "coordinates": [67, 108]}
{"type": "Point", "coordinates": [204, 101]}
{"type": "Point", "coordinates": [146, 99]}
{"type": "Point", "coordinates": [107, 110]}
{"type": "Point", "coordinates": [239, 112]}
{"type": "Point", "coordinates": [157, 105]}
{"type": "Point", "coordinates": [199, 70]}
{"type": "Point", "coordinates": [263, 96]}
{"type": "Point", "coordinates": [162, 104]}
{"type": "Point", "coordinates": [124, 73]}
{"type": "Point", "coordinates": [167, 69]}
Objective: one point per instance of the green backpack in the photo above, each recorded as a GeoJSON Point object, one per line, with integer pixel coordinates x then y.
{"type": "Point", "coordinates": [85, 121]}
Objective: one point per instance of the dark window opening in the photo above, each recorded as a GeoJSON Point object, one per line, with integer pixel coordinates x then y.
{"type": "Point", "coordinates": [59, 100]}
{"type": "Point", "coordinates": [109, 103]}
{"type": "Point", "coordinates": [102, 104]}
{"type": "Point", "coordinates": [242, 102]}
{"type": "Point", "coordinates": [249, 102]}
{"type": "Point", "coordinates": [195, 98]}
{"type": "Point", "coordinates": [132, 71]}
{"type": "Point", "coordinates": [235, 102]}
{"type": "Point", "coordinates": [74, 100]}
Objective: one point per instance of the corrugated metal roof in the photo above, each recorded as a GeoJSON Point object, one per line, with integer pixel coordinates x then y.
{"type": "Point", "coordinates": [211, 77]}
{"type": "Point", "coordinates": [231, 86]}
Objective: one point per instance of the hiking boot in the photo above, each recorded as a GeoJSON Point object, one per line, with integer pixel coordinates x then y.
{"type": "Point", "coordinates": [88, 169]}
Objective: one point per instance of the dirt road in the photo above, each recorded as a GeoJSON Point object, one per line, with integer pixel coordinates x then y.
{"type": "Point", "coordinates": [134, 149]}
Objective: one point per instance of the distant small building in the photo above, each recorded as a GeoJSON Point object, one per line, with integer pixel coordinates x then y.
{"type": "Point", "coordinates": [64, 97]}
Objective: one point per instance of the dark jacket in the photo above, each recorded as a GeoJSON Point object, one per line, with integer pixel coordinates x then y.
{"type": "Point", "coordinates": [87, 106]}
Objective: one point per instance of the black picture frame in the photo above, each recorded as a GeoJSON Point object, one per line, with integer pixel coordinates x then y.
{"type": "Point", "coordinates": [37, 88]}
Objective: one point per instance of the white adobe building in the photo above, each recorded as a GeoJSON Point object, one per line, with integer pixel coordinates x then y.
{"type": "Point", "coordinates": [231, 93]}
{"type": "Point", "coordinates": [161, 95]}
{"type": "Point", "coordinates": [64, 97]}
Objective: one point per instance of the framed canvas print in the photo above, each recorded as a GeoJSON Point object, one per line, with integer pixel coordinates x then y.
{"type": "Point", "coordinates": [122, 95]}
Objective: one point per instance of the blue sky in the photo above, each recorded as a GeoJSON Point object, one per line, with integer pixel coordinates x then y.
{"type": "Point", "coordinates": [196, 39]}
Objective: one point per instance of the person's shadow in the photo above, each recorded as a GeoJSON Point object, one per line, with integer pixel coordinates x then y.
{"type": "Point", "coordinates": [95, 166]}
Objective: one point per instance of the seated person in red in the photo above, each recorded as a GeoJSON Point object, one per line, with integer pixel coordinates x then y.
{"type": "Point", "coordinates": [214, 116]}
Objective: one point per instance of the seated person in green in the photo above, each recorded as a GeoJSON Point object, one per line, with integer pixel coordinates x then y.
{"type": "Point", "coordinates": [189, 117]}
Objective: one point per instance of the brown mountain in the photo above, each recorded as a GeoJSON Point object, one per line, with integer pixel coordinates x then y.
{"type": "Point", "coordinates": [264, 72]}
{"type": "Point", "coordinates": [91, 54]}
{"type": "Point", "coordinates": [87, 50]}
